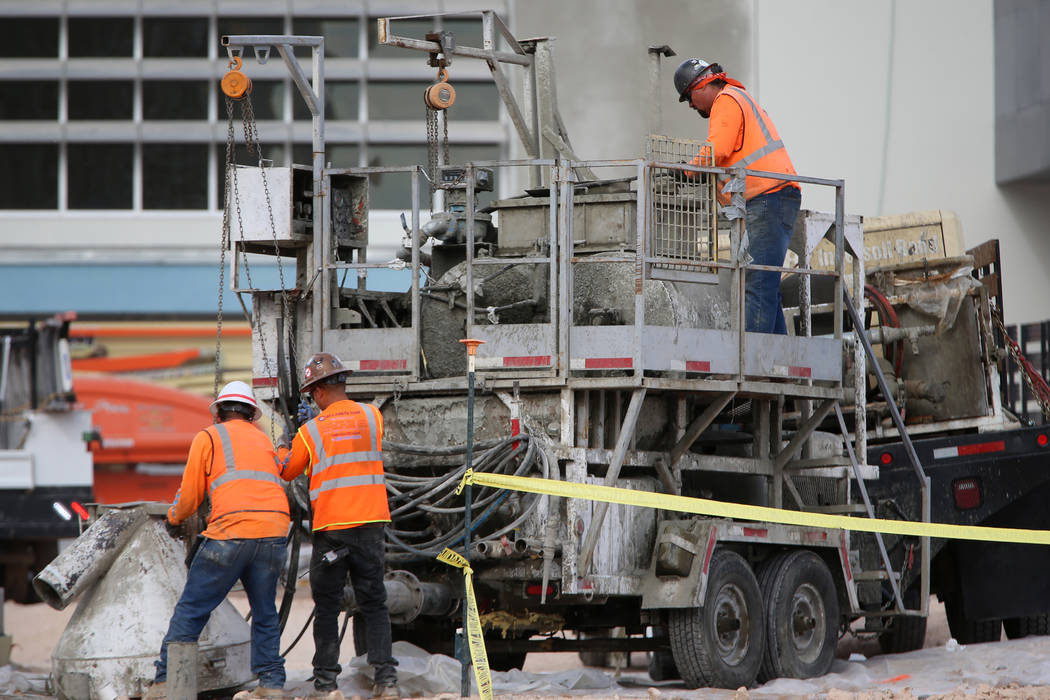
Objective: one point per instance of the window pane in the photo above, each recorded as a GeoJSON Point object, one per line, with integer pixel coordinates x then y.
{"type": "Point", "coordinates": [340, 36]}
{"type": "Point", "coordinates": [340, 155]}
{"type": "Point", "coordinates": [174, 99]}
{"type": "Point", "coordinates": [255, 25]}
{"type": "Point", "coordinates": [100, 99]}
{"type": "Point", "coordinates": [28, 176]}
{"type": "Point", "coordinates": [99, 175]}
{"type": "Point", "coordinates": [164, 37]}
{"type": "Point", "coordinates": [174, 177]}
{"type": "Point", "coordinates": [100, 36]}
{"type": "Point", "coordinates": [30, 37]}
{"type": "Point", "coordinates": [393, 190]}
{"type": "Point", "coordinates": [267, 101]}
{"type": "Point", "coordinates": [404, 100]}
{"type": "Point", "coordinates": [340, 101]}
{"type": "Point", "coordinates": [29, 99]}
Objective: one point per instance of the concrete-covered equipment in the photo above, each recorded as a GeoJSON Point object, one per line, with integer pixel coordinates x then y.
{"type": "Point", "coordinates": [130, 574]}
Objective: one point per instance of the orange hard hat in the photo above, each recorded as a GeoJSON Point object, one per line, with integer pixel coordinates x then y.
{"type": "Point", "coordinates": [321, 366]}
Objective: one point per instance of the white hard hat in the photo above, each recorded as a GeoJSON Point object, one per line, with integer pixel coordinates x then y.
{"type": "Point", "coordinates": [236, 392]}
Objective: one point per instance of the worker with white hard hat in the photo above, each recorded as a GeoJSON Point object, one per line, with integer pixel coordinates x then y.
{"type": "Point", "coordinates": [233, 463]}
{"type": "Point", "coordinates": [341, 451]}
{"type": "Point", "coordinates": [742, 135]}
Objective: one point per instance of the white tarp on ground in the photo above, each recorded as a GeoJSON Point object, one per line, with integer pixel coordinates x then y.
{"type": "Point", "coordinates": [928, 671]}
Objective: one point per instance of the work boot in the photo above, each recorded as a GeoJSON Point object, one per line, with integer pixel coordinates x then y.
{"type": "Point", "coordinates": [157, 691]}
{"type": "Point", "coordinates": [327, 692]}
{"type": "Point", "coordinates": [386, 691]}
{"type": "Point", "coordinates": [267, 693]}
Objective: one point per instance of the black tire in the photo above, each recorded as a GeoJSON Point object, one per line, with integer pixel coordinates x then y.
{"type": "Point", "coordinates": [904, 633]}
{"type": "Point", "coordinates": [720, 645]}
{"type": "Point", "coordinates": [661, 666]}
{"type": "Point", "coordinates": [1032, 625]}
{"type": "Point", "coordinates": [802, 616]}
{"type": "Point", "coordinates": [967, 631]}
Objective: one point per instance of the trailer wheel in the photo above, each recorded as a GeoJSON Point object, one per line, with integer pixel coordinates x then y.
{"type": "Point", "coordinates": [720, 645]}
{"type": "Point", "coordinates": [661, 666]}
{"type": "Point", "coordinates": [905, 632]}
{"type": "Point", "coordinates": [802, 616]}
{"type": "Point", "coordinates": [967, 631]}
{"type": "Point", "coordinates": [1031, 625]}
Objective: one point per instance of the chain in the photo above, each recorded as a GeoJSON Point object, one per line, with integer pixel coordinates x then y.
{"type": "Point", "coordinates": [224, 243]}
{"type": "Point", "coordinates": [432, 147]}
{"type": "Point", "coordinates": [1036, 384]}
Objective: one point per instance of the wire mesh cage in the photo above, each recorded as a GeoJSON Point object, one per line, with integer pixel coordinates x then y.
{"type": "Point", "coordinates": [682, 208]}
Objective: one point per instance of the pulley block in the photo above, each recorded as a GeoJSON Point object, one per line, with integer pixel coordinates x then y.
{"type": "Point", "coordinates": [440, 95]}
{"type": "Point", "coordinates": [236, 84]}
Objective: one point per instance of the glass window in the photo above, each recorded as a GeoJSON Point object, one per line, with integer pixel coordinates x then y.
{"type": "Point", "coordinates": [28, 176]}
{"type": "Point", "coordinates": [254, 25]}
{"type": "Point", "coordinates": [340, 155]}
{"type": "Point", "coordinates": [340, 35]}
{"type": "Point", "coordinates": [174, 99]}
{"type": "Point", "coordinates": [393, 190]}
{"type": "Point", "coordinates": [29, 99]}
{"type": "Point", "coordinates": [100, 99]}
{"type": "Point", "coordinates": [175, 37]}
{"type": "Point", "coordinates": [174, 176]}
{"type": "Point", "coordinates": [267, 101]}
{"type": "Point", "coordinates": [99, 175]}
{"type": "Point", "coordinates": [100, 36]}
{"type": "Point", "coordinates": [404, 100]}
{"type": "Point", "coordinates": [30, 37]}
{"type": "Point", "coordinates": [340, 101]}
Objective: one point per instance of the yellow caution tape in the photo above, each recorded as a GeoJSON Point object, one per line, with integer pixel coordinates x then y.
{"type": "Point", "coordinates": [475, 638]}
{"type": "Point", "coordinates": [720, 509]}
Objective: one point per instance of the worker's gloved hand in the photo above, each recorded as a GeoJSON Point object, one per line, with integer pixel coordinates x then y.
{"type": "Point", "coordinates": [285, 441]}
{"type": "Point", "coordinates": [305, 411]}
{"type": "Point", "coordinates": [177, 532]}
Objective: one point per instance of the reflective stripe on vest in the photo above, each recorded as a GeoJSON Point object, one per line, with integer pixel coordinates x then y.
{"type": "Point", "coordinates": [754, 185]}
{"type": "Point", "coordinates": [324, 461]}
{"type": "Point", "coordinates": [232, 472]}
{"type": "Point", "coordinates": [770, 146]}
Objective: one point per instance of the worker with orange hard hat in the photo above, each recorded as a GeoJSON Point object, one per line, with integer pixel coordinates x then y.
{"type": "Point", "coordinates": [233, 463]}
{"type": "Point", "coordinates": [341, 451]}
{"type": "Point", "coordinates": [742, 135]}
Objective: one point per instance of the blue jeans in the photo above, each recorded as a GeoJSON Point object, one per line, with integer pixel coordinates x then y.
{"type": "Point", "coordinates": [216, 567]}
{"type": "Point", "coordinates": [770, 223]}
{"type": "Point", "coordinates": [364, 561]}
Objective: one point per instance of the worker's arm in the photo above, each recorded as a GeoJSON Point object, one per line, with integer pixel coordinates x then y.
{"type": "Point", "coordinates": [194, 481]}
{"type": "Point", "coordinates": [726, 128]}
{"type": "Point", "coordinates": [295, 459]}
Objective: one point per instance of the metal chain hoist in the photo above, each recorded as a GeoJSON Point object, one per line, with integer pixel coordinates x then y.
{"type": "Point", "coordinates": [438, 98]}
{"type": "Point", "coordinates": [237, 88]}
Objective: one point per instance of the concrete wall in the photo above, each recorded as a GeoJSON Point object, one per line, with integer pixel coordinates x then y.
{"type": "Point", "coordinates": [895, 97]}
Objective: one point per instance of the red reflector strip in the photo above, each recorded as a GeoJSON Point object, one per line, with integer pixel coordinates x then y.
{"type": "Point", "coordinates": [800, 371]}
{"type": "Point", "coordinates": [264, 381]}
{"type": "Point", "coordinates": [381, 365]}
{"type": "Point", "coordinates": [974, 449]}
{"type": "Point", "coordinates": [846, 568]}
{"type": "Point", "coordinates": [536, 589]}
{"type": "Point", "coordinates": [79, 510]}
{"type": "Point", "coordinates": [608, 363]}
{"type": "Point", "coordinates": [816, 536]}
{"type": "Point", "coordinates": [697, 366]}
{"type": "Point", "coordinates": [755, 532]}
{"type": "Point", "coordinates": [527, 361]}
{"type": "Point", "coordinates": [710, 550]}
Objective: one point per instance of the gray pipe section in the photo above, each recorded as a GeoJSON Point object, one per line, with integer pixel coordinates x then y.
{"type": "Point", "coordinates": [407, 597]}
{"type": "Point", "coordinates": [88, 558]}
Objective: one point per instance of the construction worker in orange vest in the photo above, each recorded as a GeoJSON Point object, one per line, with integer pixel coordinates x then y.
{"type": "Point", "coordinates": [233, 463]}
{"type": "Point", "coordinates": [340, 450]}
{"type": "Point", "coordinates": [742, 135]}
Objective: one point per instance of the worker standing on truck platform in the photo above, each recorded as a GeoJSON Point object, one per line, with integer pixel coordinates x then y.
{"type": "Point", "coordinates": [340, 450]}
{"type": "Point", "coordinates": [234, 464]}
{"type": "Point", "coordinates": [743, 135]}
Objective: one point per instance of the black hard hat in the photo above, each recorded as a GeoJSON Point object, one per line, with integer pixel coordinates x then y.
{"type": "Point", "coordinates": [686, 74]}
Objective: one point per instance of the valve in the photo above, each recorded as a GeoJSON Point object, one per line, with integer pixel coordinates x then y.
{"type": "Point", "coordinates": [236, 84]}
{"type": "Point", "coordinates": [440, 95]}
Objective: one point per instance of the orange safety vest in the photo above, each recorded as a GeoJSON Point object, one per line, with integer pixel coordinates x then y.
{"type": "Point", "coordinates": [347, 486]}
{"type": "Point", "coordinates": [761, 149]}
{"type": "Point", "coordinates": [245, 474]}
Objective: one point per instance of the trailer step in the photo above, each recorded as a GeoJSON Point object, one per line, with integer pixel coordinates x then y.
{"type": "Point", "coordinates": [841, 509]}
{"type": "Point", "coordinates": [874, 575]}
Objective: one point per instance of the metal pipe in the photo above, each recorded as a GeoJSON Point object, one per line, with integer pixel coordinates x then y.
{"type": "Point", "coordinates": [88, 558]}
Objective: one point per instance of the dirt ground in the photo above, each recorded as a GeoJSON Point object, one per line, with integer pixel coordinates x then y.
{"type": "Point", "coordinates": [36, 628]}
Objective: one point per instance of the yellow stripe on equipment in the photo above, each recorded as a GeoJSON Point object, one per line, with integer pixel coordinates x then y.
{"type": "Point", "coordinates": [720, 509]}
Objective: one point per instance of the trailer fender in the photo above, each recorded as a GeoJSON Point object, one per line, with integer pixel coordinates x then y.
{"type": "Point", "coordinates": [677, 575]}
